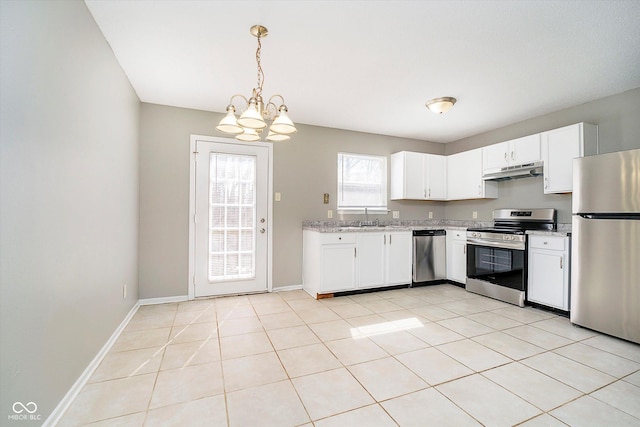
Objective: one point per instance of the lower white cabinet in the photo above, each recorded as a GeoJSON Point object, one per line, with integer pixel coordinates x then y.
{"type": "Point", "coordinates": [399, 258]}
{"type": "Point", "coordinates": [548, 282]}
{"type": "Point", "coordinates": [457, 255]}
{"type": "Point", "coordinates": [338, 262]}
{"type": "Point", "coordinates": [328, 262]}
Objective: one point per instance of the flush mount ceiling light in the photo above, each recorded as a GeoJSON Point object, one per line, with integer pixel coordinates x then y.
{"type": "Point", "coordinates": [252, 121]}
{"type": "Point", "coordinates": [440, 105]}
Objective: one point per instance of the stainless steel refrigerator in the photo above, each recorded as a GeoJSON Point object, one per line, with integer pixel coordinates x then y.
{"type": "Point", "coordinates": [605, 252]}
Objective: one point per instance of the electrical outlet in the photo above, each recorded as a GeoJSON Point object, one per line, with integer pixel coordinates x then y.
{"type": "Point", "coordinates": [396, 214]}
{"type": "Point", "coordinates": [124, 291]}
{"type": "Point", "coordinates": [475, 215]}
{"type": "Point", "coordinates": [278, 197]}
{"type": "Point", "coordinates": [329, 213]}
{"type": "Point", "coordinates": [430, 215]}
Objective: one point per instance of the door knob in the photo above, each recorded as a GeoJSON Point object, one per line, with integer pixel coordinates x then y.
{"type": "Point", "coordinates": [262, 220]}
{"type": "Point", "coordinates": [262, 230]}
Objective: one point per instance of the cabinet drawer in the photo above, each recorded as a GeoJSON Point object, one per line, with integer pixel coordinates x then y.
{"type": "Point", "coordinates": [457, 234]}
{"type": "Point", "coordinates": [547, 242]}
{"type": "Point", "coordinates": [333, 238]}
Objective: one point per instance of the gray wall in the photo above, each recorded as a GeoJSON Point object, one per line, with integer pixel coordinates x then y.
{"type": "Point", "coordinates": [618, 120]}
{"type": "Point", "coordinates": [304, 169]}
{"type": "Point", "coordinates": [69, 199]}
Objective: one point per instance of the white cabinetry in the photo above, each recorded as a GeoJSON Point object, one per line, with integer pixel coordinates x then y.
{"type": "Point", "coordinates": [515, 152]}
{"type": "Point", "coordinates": [328, 262]}
{"type": "Point", "coordinates": [418, 176]}
{"type": "Point", "coordinates": [559, 148]}
{"type": "Point", "coordinates": [548, 282]}
{"type": "Point", "coordinates": [399, 252]}
{"type": "Point", "coordinates": [370, 259]}
{"type": "Point", "coordinates": [464, 177]}
{"type": "Point", "coordinates": [337, 262]}
{"type": "Point", "coordinates": [383, 258]}
{"type": "Point", "coordinates": [457, 255]}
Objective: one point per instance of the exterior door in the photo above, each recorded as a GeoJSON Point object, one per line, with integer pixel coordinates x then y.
{"type": "Point", "coordinates": [230, 239]}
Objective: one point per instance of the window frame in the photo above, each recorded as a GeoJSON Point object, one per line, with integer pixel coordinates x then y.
{"type": "Point", "coordinates": [347, 208]}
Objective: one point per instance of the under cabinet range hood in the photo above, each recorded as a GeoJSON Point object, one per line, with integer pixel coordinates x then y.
{"type": "Point", "coordinates": [526, 170]}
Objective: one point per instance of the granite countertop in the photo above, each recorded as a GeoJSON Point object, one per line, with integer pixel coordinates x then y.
{"type": "Point", "coordinates": [410, 225]}
{"type": "Point", "coordinates": [398, 225]}
{"type": "Point", "coordinates": [563, 230]}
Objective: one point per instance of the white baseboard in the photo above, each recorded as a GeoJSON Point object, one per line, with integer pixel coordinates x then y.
{"type": "Point", "coordinates": [66, 401]}
{"type": "Point", "coordinates": [163, 300]}
{"type": "Point", "coordinates": [287, 288]}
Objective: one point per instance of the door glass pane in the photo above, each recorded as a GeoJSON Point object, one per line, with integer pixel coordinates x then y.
{"type": "Point", "coordinates": [232, 217]}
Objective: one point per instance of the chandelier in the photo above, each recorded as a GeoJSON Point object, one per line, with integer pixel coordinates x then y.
{"type": "Point", "coordinates": [252, 121]}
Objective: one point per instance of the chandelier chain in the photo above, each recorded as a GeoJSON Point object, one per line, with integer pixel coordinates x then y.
{"type": "Point", "coordinates": [260, 72]}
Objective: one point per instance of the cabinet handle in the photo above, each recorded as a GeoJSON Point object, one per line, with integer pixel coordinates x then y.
{"type": "Point", "coordinates": [546, 183]}
{"type": "Point", "coordinates": [464, 249]}
{"type": "Point", "coordinates": [355, 252]}
{"type": "Point", "coordinates": [429, 192]}
{"type": "Point", "coordinates": [505, 156]}
{"type": "Point", "coordinates": [513, 156]}
{"type": "Point", "coordinates": [425, 193]}
{"type": "Point", "coordinates": [389, 238]}
{"type": "Point", "coordinates": [479, 190]}
{"type": "Point", "coordinates": [385, 239]}
{"type": "Point", "coordinates": [560, 263]}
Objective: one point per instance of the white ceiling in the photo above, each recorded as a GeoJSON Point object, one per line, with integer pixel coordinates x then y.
{"type": "Point", "coordinates": [370, 65]}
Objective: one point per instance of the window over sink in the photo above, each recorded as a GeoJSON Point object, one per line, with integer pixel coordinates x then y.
{"type": "Point", "coordinates": [362, 183]}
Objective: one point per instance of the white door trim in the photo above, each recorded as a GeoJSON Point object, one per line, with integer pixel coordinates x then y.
{"type": "Point", "coordinates": [192, 206]}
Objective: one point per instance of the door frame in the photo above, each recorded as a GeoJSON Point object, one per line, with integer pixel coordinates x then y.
{"type": "Point", "coordinates": [192, 205]}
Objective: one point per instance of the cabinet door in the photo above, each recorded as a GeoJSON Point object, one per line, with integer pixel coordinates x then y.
{"type": "Point", "coordinates": [338, 267]}
{"type": "Point", "coordinates": [495, 157]}
{"type": "Point", "coordinates": [414, 179]}
{"type": "Point", "coordinates": [464, 175]}
{"type": "Point", "coordinates": [399, 258]}
{"type": "Point", "coordinates": [459, 261]}
{"type": "Point", "coordinates": [457, 255]}
{"type": "Point", "coordinates": [436, 171]}
{"type": "Point", "coordinates": [370, 259]}
{"type": "Point", "coordinates": [547, 283]}
{"type": "Point", "coordinates": [525, 149]}
{"type": "Point", "coordinates": [559, 148]}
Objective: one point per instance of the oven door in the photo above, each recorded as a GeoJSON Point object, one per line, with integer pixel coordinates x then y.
{"type": "Point", "coordinates": [502, 264]}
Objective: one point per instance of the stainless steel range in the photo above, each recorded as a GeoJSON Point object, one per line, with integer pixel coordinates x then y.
{"type": "Point", "coordinates": [497, 256]}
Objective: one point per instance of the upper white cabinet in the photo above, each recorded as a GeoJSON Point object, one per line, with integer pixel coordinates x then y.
{"type": "Point", "coordinates": [464, 177]}
{"type": "Point", "coordinates": [559, 148]}
{"type": "Point", "coordinates": [509, 153]}
{"type": "Point", "coordinates": [418, 176]}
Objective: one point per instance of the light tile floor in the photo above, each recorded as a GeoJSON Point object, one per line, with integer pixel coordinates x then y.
{"type": "Point", "coordinates": [427, 356]}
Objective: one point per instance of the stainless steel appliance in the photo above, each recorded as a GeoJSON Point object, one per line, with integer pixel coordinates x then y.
{"type": "Point", "coordinates": [605, 269]}
{"type": "Point", "coordinates": [429, 255]}
{"type": "Point", "coordinates": [497, 256]}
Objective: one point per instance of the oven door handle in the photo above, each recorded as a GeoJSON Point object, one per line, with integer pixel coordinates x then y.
{"type": "Point", "coordinates": [503, 245]}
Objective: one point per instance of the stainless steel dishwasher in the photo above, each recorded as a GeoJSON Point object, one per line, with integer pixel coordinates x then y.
{"type": "Point", "coordinates": [429, 255]}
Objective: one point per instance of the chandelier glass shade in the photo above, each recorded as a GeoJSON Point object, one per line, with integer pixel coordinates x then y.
{"type": "Point", "coordinates": [253, 120]}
